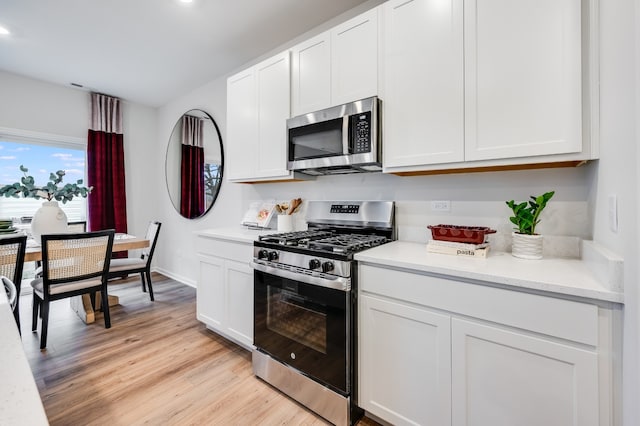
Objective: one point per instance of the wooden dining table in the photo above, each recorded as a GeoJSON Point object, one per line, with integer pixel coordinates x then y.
{"type": "Point", "coordinates": [82, 304]}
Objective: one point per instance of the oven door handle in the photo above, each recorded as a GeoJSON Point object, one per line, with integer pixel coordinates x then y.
{"type": "Point", "coordinates": [338, 283]}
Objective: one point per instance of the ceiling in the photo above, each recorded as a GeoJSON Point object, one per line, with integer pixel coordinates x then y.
{"type": "Point", "coordinates": [149, 51]}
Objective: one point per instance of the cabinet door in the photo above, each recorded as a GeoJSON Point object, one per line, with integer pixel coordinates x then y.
{"type": "Point", "coordinates": [211, 292]}
{"type": "Point", "coordinates": [273, 110]}
{"type": "Point", "coordinates": [242, 126]}
{"type": "Point", "coordinates": [422, 94]}
{"type": "Point", "coordinates": [405, 363]}
{"type": "Point", "coordinates": [503, 378]}
{"type": "Point", "coordinates": [354, 59]}
{"type": "Point", "coordinates": [239, 302]}
{"type": "Point", "coordinates": [311, 75]}
{"type": "Point", "coordinates": [522, 78]}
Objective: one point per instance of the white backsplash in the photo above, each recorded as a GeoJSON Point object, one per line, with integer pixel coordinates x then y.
{"type": "Point", "coordinates": [563, 224]}
{"type": "Point", "coordinates": [475, 199]}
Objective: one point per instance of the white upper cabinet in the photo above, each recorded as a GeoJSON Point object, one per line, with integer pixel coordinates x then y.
{"type": "Point", "coordinates": [337, 66]}
{"type": "Point", "coordinates": [258, 102]}
{"type": "Point", "coordinates": [242, 129]}
{"type": "Point", "coordinates": [522, 78]}
{"type": "Point", "coordinates": [491, 83]}
{"type": "Point", "coordinates": [422, 87]}
{"type": "Point", "coordinates": [354, 59]}
{"type": "Point", "coordinates": [273, 112]}
{"type": "Point", "coordinates": [311, 75]}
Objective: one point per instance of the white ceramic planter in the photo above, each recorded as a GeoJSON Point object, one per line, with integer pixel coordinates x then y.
{"type": "Point", "coordinates": [48, 219]}
{"type": "Point", "coordinates": [526, 246]}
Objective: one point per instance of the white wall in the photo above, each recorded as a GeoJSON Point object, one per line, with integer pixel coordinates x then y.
{"type": "Point", "coordinates": [617, 173]}
{"type": "Point", "coordinates": [35, 106]}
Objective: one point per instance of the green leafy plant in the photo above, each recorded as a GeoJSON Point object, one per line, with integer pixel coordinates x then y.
{"type": "Point", "coordinates": [526, 214]}
{"type": "Point", "coordinates": [53, 190]}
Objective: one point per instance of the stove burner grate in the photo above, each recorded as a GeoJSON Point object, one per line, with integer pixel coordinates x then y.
{"type": "Point", "coordinates": [347, 243]}
{"type": "Point", "coordinates": [295, 238]}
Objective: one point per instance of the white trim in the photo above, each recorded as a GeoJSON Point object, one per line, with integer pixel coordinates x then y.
{"type": "Point", "coordinates": [181, 279]}
{"type": "Point", "coordinates": [593, 78]}
{"type": "Point", "coordinates": [21, 135]}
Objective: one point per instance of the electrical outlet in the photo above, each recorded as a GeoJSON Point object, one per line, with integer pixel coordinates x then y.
{"type": "Point", "coordinates": [441, 206]}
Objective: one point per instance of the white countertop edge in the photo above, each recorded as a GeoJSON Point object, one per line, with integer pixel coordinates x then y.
{"type": "Point", "coordinates": [561, 276]}
{"type": "Point", "coordinates": [238, 234]}
{"type": "Point", "coordinates": [20, 402]}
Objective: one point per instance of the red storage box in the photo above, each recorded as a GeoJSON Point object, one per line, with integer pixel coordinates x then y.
{"type": "Point", "coordinates": [460, 234]}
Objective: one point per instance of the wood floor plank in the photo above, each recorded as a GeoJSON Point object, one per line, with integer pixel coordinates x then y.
{"type": "Point", "coordinates": [157, 364]}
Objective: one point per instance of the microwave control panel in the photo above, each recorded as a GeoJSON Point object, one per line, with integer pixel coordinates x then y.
{"type": "Point", "coordinates": [360, 127]}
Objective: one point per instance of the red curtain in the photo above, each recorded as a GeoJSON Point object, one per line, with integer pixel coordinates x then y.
{"type": "Point", "coordinates": [105, 165]}
{"type": "Point", "coordinates": [192, 182]}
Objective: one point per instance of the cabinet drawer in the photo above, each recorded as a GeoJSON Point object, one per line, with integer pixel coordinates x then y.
{"type": "Point", "coordinates": [561, 318]}
{"type": "Point", "coordinates": [241, 252]}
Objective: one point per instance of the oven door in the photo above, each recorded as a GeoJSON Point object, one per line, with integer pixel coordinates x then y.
{"type": "Point", "coordinates": [303, 325]}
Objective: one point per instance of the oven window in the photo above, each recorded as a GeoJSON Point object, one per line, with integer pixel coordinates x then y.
{"type": "Point", "coordinates": [289, 316]}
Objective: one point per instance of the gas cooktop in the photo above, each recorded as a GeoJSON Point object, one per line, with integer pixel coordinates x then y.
{"type": "Point", "coordinates": [326, 241]}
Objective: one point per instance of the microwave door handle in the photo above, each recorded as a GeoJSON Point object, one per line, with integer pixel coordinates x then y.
{"type": "Point", "coordinates": [345, 135]}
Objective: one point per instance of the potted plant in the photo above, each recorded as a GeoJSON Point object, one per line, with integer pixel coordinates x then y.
{"type": "Point", "coordinates": [526, 215]}
{"type": "Point", "coordinates": [49, 218]}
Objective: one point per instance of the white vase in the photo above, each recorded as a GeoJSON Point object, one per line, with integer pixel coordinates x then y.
{"type": "Point", "coordinates": [526, 246]}
{"type": "Point", "coordinates": [48, 219]}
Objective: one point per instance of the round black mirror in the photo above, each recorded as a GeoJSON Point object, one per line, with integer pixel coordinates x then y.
{"type": "Point", "coordinates": [194, 164]}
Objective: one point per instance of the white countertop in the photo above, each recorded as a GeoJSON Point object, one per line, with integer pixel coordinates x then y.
{"type": "Point", "coordinates": [554, 275]}
{"type": "Point", "coordinates": [20, 402]}
{"type": "Point", "coordinates": [237, 233]}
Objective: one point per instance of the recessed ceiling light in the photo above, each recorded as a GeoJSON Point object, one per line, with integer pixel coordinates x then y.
{"type": "Point", "coordinates": [4, 31]}
{"type": "Point", "coordinates": [185, 1]}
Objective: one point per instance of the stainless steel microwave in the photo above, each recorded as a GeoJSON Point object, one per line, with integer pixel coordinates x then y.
{"type": "Point", "coordinates": [340, 139]}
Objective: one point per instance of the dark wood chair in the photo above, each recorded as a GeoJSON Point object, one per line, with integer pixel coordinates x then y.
{"type": "Point", "coordinates": [122, 267]}
{"type": "Point", "coordinates": [12, 250]}
{"type": "Point", "coordinates": [72, 265]}
{"type": "Point", "coordinates": [72, 227]}
{"type": "Point", "coordinates": [78, 226]}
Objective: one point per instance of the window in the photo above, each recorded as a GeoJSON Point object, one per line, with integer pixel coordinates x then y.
{"type": "Point", "coordinates": [41, 157]}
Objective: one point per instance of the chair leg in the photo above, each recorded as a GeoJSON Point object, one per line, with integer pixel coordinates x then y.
{"type": "Point", "coordinates": [44, 308]}
{"type": "Point", "coordinates": [92, 298]}
{"type": "Point", "coordinates": [148, 273]}
{"type": "Point", "coordinates": [105, 307]}
{"type": "Point", "coordinates": [34, 313]}
{"type": "Point", "coordinates": [144, 287]}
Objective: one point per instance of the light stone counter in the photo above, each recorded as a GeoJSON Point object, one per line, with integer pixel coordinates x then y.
{"type": "Point", "coordinates": [20, 402]}
{"type": "Point", "coordinates": [239, 234]}
{"type": "Point", "coordinates": [573, 277]}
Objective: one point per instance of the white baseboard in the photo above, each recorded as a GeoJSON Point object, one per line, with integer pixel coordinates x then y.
{"type": "Point", "coordinates": [179, 278]}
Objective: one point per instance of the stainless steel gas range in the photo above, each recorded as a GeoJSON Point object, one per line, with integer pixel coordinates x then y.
{"type": "Point", "coordinates": [305, 304]}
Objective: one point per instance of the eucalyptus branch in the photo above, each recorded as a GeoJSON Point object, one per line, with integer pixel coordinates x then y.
{"type": "Point", "coordinates": [51, 191]}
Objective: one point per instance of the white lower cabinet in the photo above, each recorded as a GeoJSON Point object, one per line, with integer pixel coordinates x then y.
{"type": "Point", "coordinates": [225, 289]}
{"type": "Point", "coordinates": [436, 351]}
{"type": "Point", "coordinates": [501, 377]}
{"type": "Point", "coordinates": [405, 363]}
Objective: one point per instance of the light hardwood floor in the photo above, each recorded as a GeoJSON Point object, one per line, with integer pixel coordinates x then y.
{"type": "Point", "coordinates": [157, 365]}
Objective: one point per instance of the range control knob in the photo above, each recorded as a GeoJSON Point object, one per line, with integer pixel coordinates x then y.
{"type": "Point", "coordinates": [314, 264]}
{"type": "Point", "coordinates": [263, 254]}
{"type": "Point", "coordinates": [273, 256]}
{"type": "Point", "coordinates": [327, 266]}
